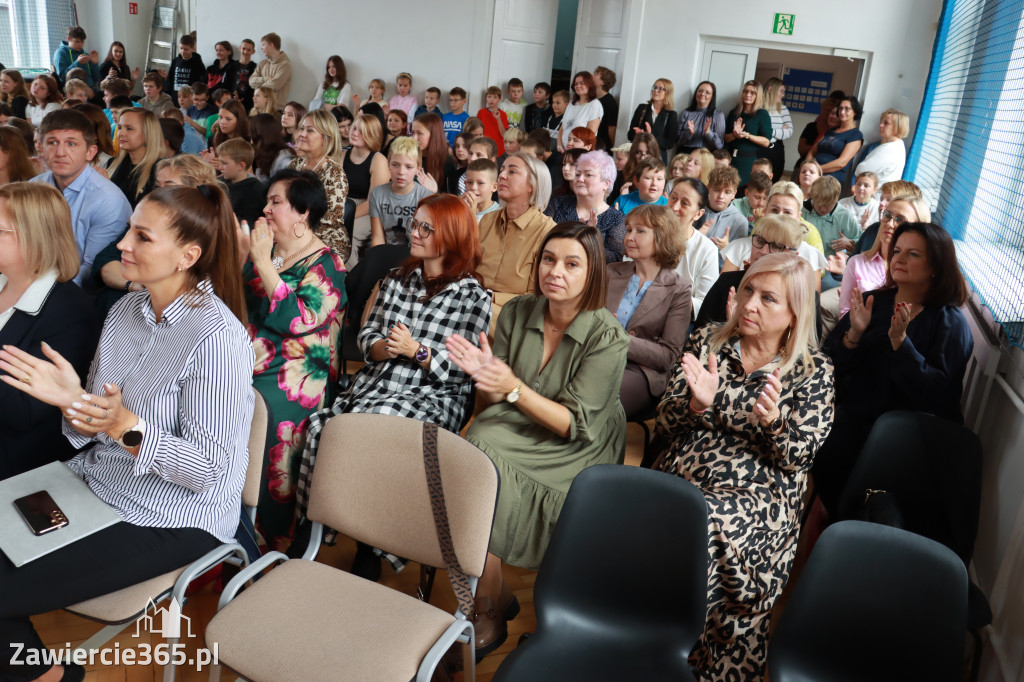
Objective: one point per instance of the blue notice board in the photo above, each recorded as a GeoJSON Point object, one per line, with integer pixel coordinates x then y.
{"type": "Point", "coordinates": [805, 90]}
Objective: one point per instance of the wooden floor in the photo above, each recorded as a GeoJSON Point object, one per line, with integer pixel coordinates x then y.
{"type": "Point", "coordinates": [59, 629]}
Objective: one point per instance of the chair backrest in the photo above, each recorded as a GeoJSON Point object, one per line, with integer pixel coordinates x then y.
{"type": "Point", "coordinates": [932, 467]}
{"type": "Point", "coordinates": [370, 484]}
{"type": "Point", "coordinates": [258, 437]}
{"type": "Point", "coordinates": [630, 549]}
{"type": "Point", "coordinates": [876, 604]}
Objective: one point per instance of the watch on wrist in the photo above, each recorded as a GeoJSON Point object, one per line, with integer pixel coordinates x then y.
{"type": "Point", "coordinates": [513, 395]}
{"type": "Point", "coordinates": [128, 285]}
{"type": "Point", "coordinates": [776, 426]}
{"type": "Point", "coordinates": [133, 436]}
{"type": "Point", "coordinates": [422, 353]}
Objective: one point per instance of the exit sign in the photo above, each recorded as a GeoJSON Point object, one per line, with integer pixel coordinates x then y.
{"type": "Point", "coordinates": [133, 8]}
{"type": "Point", "coordinates": [784, 24]}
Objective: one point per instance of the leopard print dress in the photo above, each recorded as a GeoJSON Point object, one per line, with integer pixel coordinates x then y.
{"type": "Point", "coordinates": [754, 483]}
{"type": "Point", "coordinates": [332, 230]}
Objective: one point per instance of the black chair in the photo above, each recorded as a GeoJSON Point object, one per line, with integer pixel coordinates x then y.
{"type": "Point", "coordinates": [931, 468]}
{"type": "Point", "coordinates": [873, 604]}
{"type": "Point", "coordinates": [622, 591]}
{"type": "Point", "coordinates": [642, 419]}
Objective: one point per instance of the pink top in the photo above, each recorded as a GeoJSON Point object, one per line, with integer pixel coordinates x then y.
{"type": "Point", "coordinates": [865, 274]}
{"type": "Point", "coordinates": [406, 104]}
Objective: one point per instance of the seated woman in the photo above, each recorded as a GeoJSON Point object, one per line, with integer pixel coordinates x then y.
{"type": "Point", "coordinates": [142, 144]}
{"type": "Point", "coordinates": [581, 138]}
{"type": "Point", "coordinates": [295, 297]}
{"type": "Point", "coordinates": [904, 346]}
{"type": "Point", "coordinates": [434, 294]}
{"type": "Point", "coordinates": [510, 236]}
{"type": "Point", "coordinates": [365, 168]}
{"type": "Point", "coordinates": [318, 145]}
{"type": "Point", "coordinates": [552, 383]}
{"type": "Point", "coordinates": [166, 446]}
{"type": "Point", "coordinates": [40, 306]}
{"type": "Point", "coordinates": [887, 158]}
{"type": "Point", "coordinates": [741, 418]}
{"type": "Point", "coordinates": [835, 151]}
{"type": "Point", "coordinates": [595, 174]}
{"type": "Point", "coordinates": [652, 303]}
{"type": "Point", "coordinates": [689, 200]}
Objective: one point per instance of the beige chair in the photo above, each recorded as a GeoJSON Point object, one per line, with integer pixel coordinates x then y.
{"type": "Point", "coordinates": [308, 621]}
{"type": "Point", "coordinates": [120, 609]}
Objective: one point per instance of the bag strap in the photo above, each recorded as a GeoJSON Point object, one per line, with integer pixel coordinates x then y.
{"type": "Point", "coordinates": [457, 577]}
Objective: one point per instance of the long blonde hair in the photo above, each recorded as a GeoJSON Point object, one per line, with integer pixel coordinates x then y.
{"type": "Point", "coordinates": [758, 101]}
{"type": "Point", "coordinates": [271, 105]}
{"type": "Point", "coordinates": [772, 101]}
{"type": "Point", "coordinates": [154, 143]}
{"type": "Point", "coordinates": [798, 277]}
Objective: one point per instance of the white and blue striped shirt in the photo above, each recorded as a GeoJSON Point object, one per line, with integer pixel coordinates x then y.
{"type": "Point", "coordinates": [189, 377]}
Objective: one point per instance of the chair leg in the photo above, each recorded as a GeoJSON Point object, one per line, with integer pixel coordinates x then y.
{"type": "Point", "coordinates": [169, 669]}
{"type": "Point", "coordinates": [427, 575]}
{"type": "Point", "coordinates": [976, 655]}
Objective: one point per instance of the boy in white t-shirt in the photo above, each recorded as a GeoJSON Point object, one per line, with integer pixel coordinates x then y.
{"type": "Point", "coordinates": [513, 105]}
{"type": "Point", "coordinates": [863, 204]}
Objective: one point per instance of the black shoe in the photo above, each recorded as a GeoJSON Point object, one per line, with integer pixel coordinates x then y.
{"type": "Point", "coordinates": [366, 564]}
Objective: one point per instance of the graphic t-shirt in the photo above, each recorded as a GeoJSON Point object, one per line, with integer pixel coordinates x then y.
{"type": "Point", "coordinates": [453, 125]}
{"type": "Point", "coordinates": [395, 210]}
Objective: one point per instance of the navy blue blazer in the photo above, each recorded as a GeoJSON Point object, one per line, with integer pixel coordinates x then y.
{"type": "Point", "coordinates": [69, 323]}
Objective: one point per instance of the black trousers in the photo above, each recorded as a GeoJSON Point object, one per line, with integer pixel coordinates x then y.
{"type": "Point", "coordinates": [777, 155]}
{"type": "Point", "coordinates": [109, 560]}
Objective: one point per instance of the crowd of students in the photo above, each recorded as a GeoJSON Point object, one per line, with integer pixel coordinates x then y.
{"type": "Point", "coordinates": [577, 284]}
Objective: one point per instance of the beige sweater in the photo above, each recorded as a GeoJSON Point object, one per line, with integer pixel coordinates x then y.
{"type": "Point", "coordinates": [274, 73]}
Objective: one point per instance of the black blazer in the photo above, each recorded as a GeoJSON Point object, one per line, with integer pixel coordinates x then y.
{"type": "Point", "coordinates": [68, 322]}
{"type": "Point", "coordinates": [665, 127]}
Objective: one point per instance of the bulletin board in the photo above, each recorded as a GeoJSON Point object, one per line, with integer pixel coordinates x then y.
{"type": "Point", "coordinates": [805, 90]}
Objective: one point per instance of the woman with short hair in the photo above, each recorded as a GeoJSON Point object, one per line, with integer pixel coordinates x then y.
{"type": "Point", "coordinates": [887, 158]}
{"type": "Point", "coordinates": [552, 386]}
{"type": "Point", "coordinates": [838, 148]}
{"type": "Point", "coordinates": [318, 146]}
{"type": "Point", "coordinates": [595, 174]}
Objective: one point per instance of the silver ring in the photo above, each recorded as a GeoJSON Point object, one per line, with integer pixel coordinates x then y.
{"type": "Point", "coordinates": [461, 355]}
{"type": "Point", "coordinates": [89, 420]}
{"type": "Point", "coordinates": [108, 415]}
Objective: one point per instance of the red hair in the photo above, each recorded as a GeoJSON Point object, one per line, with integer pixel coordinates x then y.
{"type": "Point", "coordinates": [587, 136]}
{"type": "Point", "coordinates": [436, 152]}
{"type": "Point", "coordinates": [457, 236]}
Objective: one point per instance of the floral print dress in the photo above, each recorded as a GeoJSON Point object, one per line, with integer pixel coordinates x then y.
{"type": "Point", "coordinates": [295, 334]}
{"type": "Point", "coordinates": [754, 483]}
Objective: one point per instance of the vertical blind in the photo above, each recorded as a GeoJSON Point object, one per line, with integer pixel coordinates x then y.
{"type": "Point", "coordinates": [968, 151]}
{"type": "Point", "coordinates": [31, 30]}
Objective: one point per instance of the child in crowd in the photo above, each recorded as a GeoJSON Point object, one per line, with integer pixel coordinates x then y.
{"type": "Point", "coordinates": [404, 100]}
{"type": "Point", "coordinates": [760, 165]}
{"type": "Point", "coordinates": [44, 97]}
{"type": "Point", "coordinates": [722, 158]}
{"type": "Point", "coordinates": [77, 90]}
{"type": "Point", "coordinates": [456, 118]}
{"type": "Point", "coordinates": [376, 96]}
{"type": "Point", "coordinates": [649, 180]}
{"type": "Point", "coordinates": [752, 205]}
{"type": "Point", "coordinates": [724, 222]}
{"type": "Point", "coordinates": [676, 168]}
{"type": "Point", "coordinates": [247, 194]}
{"type": "Point", "coordinates": [494, 119]}
{"type": "Point", "coordinates": [71, 53]}
{"type": "Point", "coordinates": [397, 126]}
{"type": "Point", "coordinates": [838, 228]}
{"type": "Point", "coordinates": [393, 204]}
{"type": "Point", "coordinates": [481, 184]}
{"type": "Point", "coordinates": [473, 127]}
{"type": "Point", "coordinates": [481, 147]}
{"type": "Point", "coordinates": [218, 98]}
{"type": "Point", "coordinates": [185, 99]}
{"type": "Point", "coordinates": [343, 115]}
{"type": "Point", "coordinates": [202, 108]}
{"type": "Point", "coordinates": [334, 90]}
{"type": "Point", "coordinates": [187, 68]}
{"type": "Point", "coordinates": [559, 102]}
{"type": "Point", "coordinates": [536, 115]}
{"type": "Point", "coordinates": [514, 104]}
{"type": "Point", "coordinates": [863, 204]}
{"type": "Point", "coordinates": [264, 101]}
{"type": "Point", "coordinates": [154, 99]}
{"type": "Point", "coordinates": [193, 142]}
{"type": "Point", "coordinates": [291, 115]}
{"type": "Point", "coordinates": [431, 98]}
{"type": "Point", "coordinates": [538, 144]}
{"type": "Point", "coordinates": [460, 152]}
{"type": "Point", "coordinates": [245, 68]}
{"type": "Point", "coordinates": [513, 139]}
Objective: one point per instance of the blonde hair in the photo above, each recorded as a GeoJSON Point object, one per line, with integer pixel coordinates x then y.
{"type": "Point", "coordinates": [758, 101]}
{"type": "Point", "coordinates": [370, 129]}
{"type": "Point", "coordinates": [901, 121]}
{"type": "Point", "coordinates": [238, 151]}
{"type": "Point", "coordinates": [403, 77]}
{"type": "Point", "coordinates": [406, 146]}
{"type": "Point", "coordinates": [670, 93]}
{"type": "Point", "coordinates": [799, 279]}
{"type": "Point", "coordinates": [707, 163]}
{"type": "Point", "coordinates": [153, 142]}
{"type": "Point", "coordinates": [781, 229]}
{"type": "Point", "coordinates": [825, 190]}
{"type": "Point", "coordinates": [271, 105]}
{"type": "Point", "coordinates": [324, 122]}
{"type": "Point", "coordinates": [772, 101]}
{"type": "Point", "coordinates": [42, 219]}
{"type": "Point", "coordinates": [921, 209]}
{"type": "Point", "coordinates": [514, 135]}
{"type": "Point", "coordinates": [788, 189]}
{"type": "Point", "coordinates": [192, 169]}
{"type": "Point", "coordinates": [74, 85]}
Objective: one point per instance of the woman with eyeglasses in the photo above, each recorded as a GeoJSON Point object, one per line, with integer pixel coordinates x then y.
{"type": "Point", "coordinates": [658, 117]}
{"type": "Point", "coordinates": [903, 346]}
{"type": "Point", "coordinates": [408, 372]}
{"type": "Point", "coordinates": [836, 150]}
{"type": "Point", "coordinates": [749, 129]}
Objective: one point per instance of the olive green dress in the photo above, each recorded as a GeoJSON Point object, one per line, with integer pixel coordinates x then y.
{"type": "Point", "coordinates": [536, 465]}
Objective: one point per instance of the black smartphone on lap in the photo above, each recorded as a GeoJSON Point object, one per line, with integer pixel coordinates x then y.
{"type": "Point", "coordinates": [41, 513]}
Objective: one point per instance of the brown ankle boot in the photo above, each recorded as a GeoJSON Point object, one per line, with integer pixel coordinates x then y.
{"type": "Point", "coordinates": [490, 625]}
{"type": "Point", "coordinates": [508, 605]}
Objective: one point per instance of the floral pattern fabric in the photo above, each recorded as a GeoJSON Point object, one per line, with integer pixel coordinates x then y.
{"type": "Point", "coordinates": [295, 333]}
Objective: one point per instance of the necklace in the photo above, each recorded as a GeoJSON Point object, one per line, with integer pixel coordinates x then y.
{"type": "Point", "coordinates": [306, 163]}
{"type": "Point", "coordinates": [279, 262]}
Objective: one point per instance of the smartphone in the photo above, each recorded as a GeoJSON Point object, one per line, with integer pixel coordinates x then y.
{"type": "Point", "coordinates": [41, 513]}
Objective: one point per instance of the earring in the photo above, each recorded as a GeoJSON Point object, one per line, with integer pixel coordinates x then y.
{"type": "Point", "coordinates": [182, 268]}
{"type": "Point", "coordinates": [296, 233]}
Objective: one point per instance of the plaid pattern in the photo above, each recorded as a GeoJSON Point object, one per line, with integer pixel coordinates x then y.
{"type": "Point", "coordinates": [439, 394]}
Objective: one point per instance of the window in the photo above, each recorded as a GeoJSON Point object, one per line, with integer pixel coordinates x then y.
{"type": "Point", "coordinates": [968, 152]}
{"type": "Point", "coordinates": [31, 30]}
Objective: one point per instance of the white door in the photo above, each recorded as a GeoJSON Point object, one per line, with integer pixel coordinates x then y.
{"type": "Point", "coordinates": [601, 30]}
{"type": "Point", "coordinates": [728, 67]}
{"type": "Point", "coordinates": [522, 42]}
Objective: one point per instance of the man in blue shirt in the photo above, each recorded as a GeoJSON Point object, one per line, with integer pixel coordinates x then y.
{"type": "Point", "coordinates": [99, 210]}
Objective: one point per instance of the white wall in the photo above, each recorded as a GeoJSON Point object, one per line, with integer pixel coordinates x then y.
{"type": "Point", "coordinates": [443, 45]}
{"type": "Point", "coordinates": [896, 37]}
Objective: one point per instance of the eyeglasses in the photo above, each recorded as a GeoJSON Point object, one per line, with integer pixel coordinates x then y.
{"type": "Point", "coordinates": [657, 88]}
{"type": "Point", "coordinates": [422, 230]}
{"type": "Point", "coordinates": [845, 108]}
{"type": "Point", "coordinates": [898, 219]}
{"type": "Point", "coordinates": [773, 247]}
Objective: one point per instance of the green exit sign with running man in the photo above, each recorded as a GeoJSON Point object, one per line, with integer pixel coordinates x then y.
{"type": "Point", "coordinates": [784, 24]}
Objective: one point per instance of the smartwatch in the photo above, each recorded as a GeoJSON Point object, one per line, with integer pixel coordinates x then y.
{"type": "Point", "coordinates": [133, 436]}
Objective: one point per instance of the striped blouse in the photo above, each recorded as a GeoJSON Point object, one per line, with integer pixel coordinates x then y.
{"type": "Point", "coordinates": [782, 124]}
{"type": "Point", "coordinates": [189, 377]}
